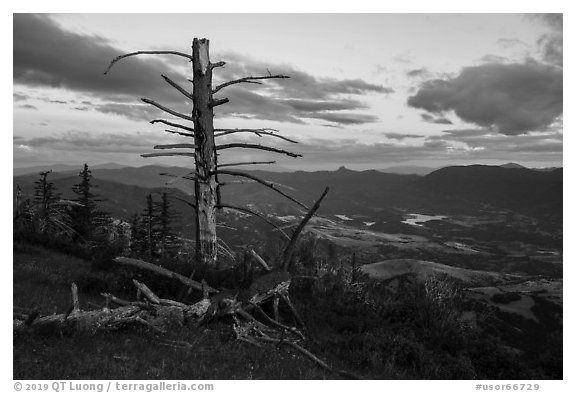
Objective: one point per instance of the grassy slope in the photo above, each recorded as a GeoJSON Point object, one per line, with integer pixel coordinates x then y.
{"type": "Point", "coordinates": [42, 280]}
{"type": "Point", "coordinates": [383, 336]}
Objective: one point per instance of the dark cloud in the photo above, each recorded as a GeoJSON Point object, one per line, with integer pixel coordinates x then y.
{"type": "Point", "coordinates": [28, 106]}
{"type": "Point", "coordinates": [418, 72]}
{"type": "Point", "coordinates": [301, 85]}
{"type": "Point", "coordinates": [468, 132]}
{"type": "Point", "coordinates": [75, 140]}
{"type": "Point", "coordinates": [246, 103]}
{"type": "Point", "coordinates": [434, 119]}
{"type": "Point", "coordinates": [342, 118]}
{"type": "Point", "coordinates": [499, 144]}
{"type": "Point", "coordinates": [547, 146]}
{"type": "Point", "coordinates": [20, 97]}
{"type": "Point", "coordinates": [493, 59]}
{"type": "Point", "coordinates": [322, 105]}
{"type": "Point", "coordinates": [131, 111]}
{"type": "Point", "coordinates": [436, 144]}
{"type": "Point", "coordinates": [49, 56]}
{"type": "Point", "coordinates": [511, 98]}
{"type": "Point", "coordinates": [398, 136]}
{"type": "Point", "coordinates": [552, 43]}
{"type": "Point", "coordinates": [303, 96]}
{"type": "Point", "coordinates": [56, 101]}
{"type": "Point", "coordinates": [510, 42]}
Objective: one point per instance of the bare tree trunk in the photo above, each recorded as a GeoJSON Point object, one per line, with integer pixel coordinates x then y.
{"type": "Point", "coordinates": [205, 154]}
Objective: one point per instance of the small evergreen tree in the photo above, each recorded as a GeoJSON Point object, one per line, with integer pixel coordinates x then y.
{"type": "Point", "coordinates": [149, 226]}
{"type": "Point", "coordinates": [48, 212]}
{"type": "Point", "coordinates": [18, 203]}
{"type": "Point", "coordinates": [167, 241]}
{"type": "Point", "coordinates": [85, 215]}
{"type": "Point", "coordinates": [137, 236]}
{"type": "Point", "coordinates": [45, 194]}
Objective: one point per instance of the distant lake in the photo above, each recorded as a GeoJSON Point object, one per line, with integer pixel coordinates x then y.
{"type": "Point", "coordinates": [418, 219]}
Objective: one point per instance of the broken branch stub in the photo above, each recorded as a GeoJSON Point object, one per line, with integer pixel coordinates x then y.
{"type": "Point", "coordinates": [289, 250]}
{"type": "Point", "coordinates": [169, 123]}
{"type": "Point", "coordinates": [177, 87]}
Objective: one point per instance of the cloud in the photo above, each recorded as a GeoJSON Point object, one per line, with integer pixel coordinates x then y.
{"type": "Point", "coordinates": [246, 103]}
{"type": "Point", "coordinates": [434, 119]}
{"type": "Point", "coordinates": [418, 73]}
{"type": "Point", "coordinates": [510, 42]}
{"type": "Point", "coordinates": [28, 106]}
{"type": "Point", "coordinates": [137, 112]}
{"type": "Point", "coordinates": [75, 140]}
{"type": "Point", "coordinates": [511, 98]}
{"type": "Point", "coordinates": [55, 101]}
{"type": "Point", "coordinates": [493, 59]}
{"type": "Point", "coordinates": [303, 96]}
{"type": "Point", "coordinates": [20, 97]}
{"type": "Point", "coordinates": [343, 118]}
{"type": "Point", "coordinates": [303, 105]}
{"type": "Point", "coordinates": [301, 85]}
{"type": "Point", "coordinates": [552, 43]}
{"type": "Point", "coordinates": [473, 132]}
{"type": "Point", "coordinates": [46, 55]}
{"type": "Point", "coordinates": [398, 136]}
{"type": "Point", "coordinates": [502, 145]}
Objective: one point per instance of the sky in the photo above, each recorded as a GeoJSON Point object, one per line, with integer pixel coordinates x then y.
{"type": "Point", "coordinates": [366, 91]}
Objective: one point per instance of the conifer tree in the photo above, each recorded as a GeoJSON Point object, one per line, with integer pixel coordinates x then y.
{"type": "Point", "coordinates": [138, 236]}
{"type": "Point", "coordinates": [48, 213]}
{"type": "Point", "coordinates": [149, 225]}
{"type": "Point", "coordinates": [165, 232]}
{"type": "Point", "coordinates": [85, 215]}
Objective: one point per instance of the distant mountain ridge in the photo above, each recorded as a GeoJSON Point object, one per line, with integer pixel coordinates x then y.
{"type": "Point", "coordinates": [451, 189]}
{"type": "Point", "coordinates": [518, 189]}
{"type": "Point", "coordinates": [512, 165]}
{"type": "Point", "coordinates": [409, 170]}
{"type": "Point", "coordinates": [63, 168]}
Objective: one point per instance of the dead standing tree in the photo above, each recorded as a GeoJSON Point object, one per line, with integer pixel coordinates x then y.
{"type": "Point", "coordinates": [156, 312]}
{"type": "Point", "coordinates": [205, 150]}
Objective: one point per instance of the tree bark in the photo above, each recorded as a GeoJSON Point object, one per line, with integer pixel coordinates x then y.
{"type": "Point", "coordinates": [202, 114]}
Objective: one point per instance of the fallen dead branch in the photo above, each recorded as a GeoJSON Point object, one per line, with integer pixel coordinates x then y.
{"type": "Point", "coordinates": [164, 272]}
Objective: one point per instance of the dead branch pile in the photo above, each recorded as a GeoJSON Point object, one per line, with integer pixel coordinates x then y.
{"type": "Point", "coordinates": [250, 323]}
